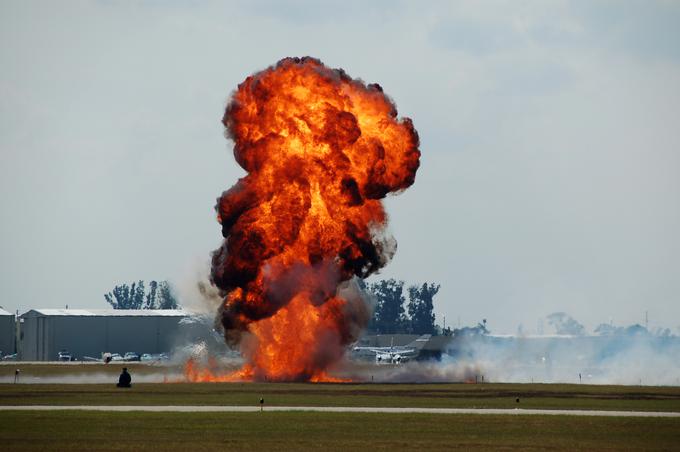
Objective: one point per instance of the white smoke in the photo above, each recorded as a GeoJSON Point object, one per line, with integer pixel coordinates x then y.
{"type": "Point", "coordinates": [629, 360]}
{"type": "Point", "coordinates": [194, 289]}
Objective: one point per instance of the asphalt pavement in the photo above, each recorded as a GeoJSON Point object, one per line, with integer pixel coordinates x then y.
{"type": "Point", "coordinates": [336, 409]}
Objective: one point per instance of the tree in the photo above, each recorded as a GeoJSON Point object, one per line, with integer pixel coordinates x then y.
{"type": "Point", "coordinates": [166, 298]}
{"type": "Point", "coordinates": [119, 298]}
{"type": "Point", "coordinates": [131, 297]}
{"type": "Point", "coordinates": [565, 324]}
{"type": "Point", "coordinates": [150, 301]}
{"type": "Point", "coordinates": [160, 296]}
{"type": "Point", "coordinates": [605, 329]}
{"type": "Point", "coordinates": [421, 308]}
{"type": "Point", "coordinates": [139, 295]}
{"type": "Point", "coordinates": [389, 316]}
{"type": "Point", "coordinates": [468, 331]}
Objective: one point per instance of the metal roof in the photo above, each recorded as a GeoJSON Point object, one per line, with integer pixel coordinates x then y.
{"type": "Point", "coordinates": [110, 312]}
{"type": "Point", "coordinates": [3, 312]}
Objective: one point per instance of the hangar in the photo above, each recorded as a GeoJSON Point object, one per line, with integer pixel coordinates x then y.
{"type": "Point", "coordinates": [43, 333]}
{"type": "Point", "coordinates": [7, 333]}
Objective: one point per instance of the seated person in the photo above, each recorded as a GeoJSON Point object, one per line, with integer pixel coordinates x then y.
{"type": "Point", "coordinates": [125, 379]}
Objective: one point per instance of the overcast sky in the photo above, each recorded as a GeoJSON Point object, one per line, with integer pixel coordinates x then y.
{"type": "Point", "coordinates": [550, 131]}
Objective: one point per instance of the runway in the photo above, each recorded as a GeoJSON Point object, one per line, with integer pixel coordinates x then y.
{"type": "Point", "coordinates": [335, 409]}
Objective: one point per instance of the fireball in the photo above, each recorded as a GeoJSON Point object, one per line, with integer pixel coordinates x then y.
{"type": "Point", "coordinates": [321, 150]}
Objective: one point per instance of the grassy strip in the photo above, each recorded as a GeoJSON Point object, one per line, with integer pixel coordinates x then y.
{"type": "Point", "coordinates": [46, 370]}
{"type": "Point", "coordinates": [334, 431]}
{"type": "Point", "coordinates": [386, 395]}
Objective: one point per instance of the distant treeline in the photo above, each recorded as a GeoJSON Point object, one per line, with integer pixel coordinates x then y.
{"type": "Point", "coordinates": [135, 296]}
{"type": "Point", "coordinates": [393, 314]}
{"type": "Point", "coordinates": [563, 323]}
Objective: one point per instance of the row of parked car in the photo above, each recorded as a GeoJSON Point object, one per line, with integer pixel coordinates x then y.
{"type": "Point", "coordinates": [109, 357]}
{"type": "Point", "coordinates": [132, 356]}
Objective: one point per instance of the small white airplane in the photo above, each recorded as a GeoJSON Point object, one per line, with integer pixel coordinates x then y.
{"type": "Point", "coordinates": [395, 354]}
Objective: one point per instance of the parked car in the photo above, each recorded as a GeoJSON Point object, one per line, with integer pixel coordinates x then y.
{"type": "Point", "coordinates": [131, 356]}
{"type": "Point", "coordinates": [64, 356]}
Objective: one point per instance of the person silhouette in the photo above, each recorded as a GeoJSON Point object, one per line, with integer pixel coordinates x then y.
{"type": "Point", "coordinates": [125, 379]}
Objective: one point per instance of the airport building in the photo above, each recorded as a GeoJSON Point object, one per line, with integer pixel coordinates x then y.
{"type": "Point", "coordinates": [43, 333]}
{"type": "Point", "coordinates": [7, 333]}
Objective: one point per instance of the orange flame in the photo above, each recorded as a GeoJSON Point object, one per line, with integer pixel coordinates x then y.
{"type": "Point", "coordinates": [321, 150]}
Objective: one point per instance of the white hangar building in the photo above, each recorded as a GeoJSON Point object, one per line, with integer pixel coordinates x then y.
{"type": "Point", "coordinates": [43, 333]}
{"type": "Point", "coordinates": [7, 333]}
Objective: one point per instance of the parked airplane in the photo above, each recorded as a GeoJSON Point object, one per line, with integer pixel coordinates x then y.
{"type": "Point", "coordinates": [395, 354]}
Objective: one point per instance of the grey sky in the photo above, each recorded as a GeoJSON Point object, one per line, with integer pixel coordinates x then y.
{"type": "Point", "coordinates": [550, 139]}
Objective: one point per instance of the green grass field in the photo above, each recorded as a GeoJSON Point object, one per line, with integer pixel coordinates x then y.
{"type": "Point", "coordinates": [87, 430]}
{"type": "Point", "coordinates": [386, 395]}
{"type": "Point", "coordinates": [21, 430]}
